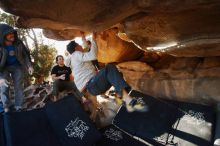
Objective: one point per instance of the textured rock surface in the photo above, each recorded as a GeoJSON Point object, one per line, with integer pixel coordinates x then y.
{"type": "Point", "coordinates": [194, 32]}
{"type": "Point", "coordinates": [70, 14]}
{"type": "Point", "coordinates": [186, 79]}
{"type": "Point", "coordinates": [113, 49]}
{"type": "Point", "coordinates": [150, 24]}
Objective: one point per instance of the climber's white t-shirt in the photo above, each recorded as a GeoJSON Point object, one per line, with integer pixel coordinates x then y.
{"type": "Point", "coordinates": [82, 67]}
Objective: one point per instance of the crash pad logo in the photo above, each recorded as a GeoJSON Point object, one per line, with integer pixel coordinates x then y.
{"type": "Point", "coordinates": [113, 134]}
{"type": "Point", "coordinates": [193, 117]}
{"type": "Point", "coordinates": [76, 128]}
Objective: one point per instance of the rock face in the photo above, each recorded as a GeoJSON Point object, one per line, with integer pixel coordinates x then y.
{"type": "Point", "coordinates": [113, 49]}
{"type": "Point", "coordinates": [186, 79]}
{"type": "Point", "coordinates": [150, 24]}
{"type": "Point", "coordinates": [180, 40]}
{"type": "Point", "coordinates": [70, 14]}
{"type": "Point", "coordinates": [177, 32]}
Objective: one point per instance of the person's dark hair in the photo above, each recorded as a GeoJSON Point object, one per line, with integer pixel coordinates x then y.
{"type": "Point", "coordinates": [71, 47]}
{"type": "Point", "coordinates": [88, 42]}
{"type": "Point", "coordinates": [58, 57]}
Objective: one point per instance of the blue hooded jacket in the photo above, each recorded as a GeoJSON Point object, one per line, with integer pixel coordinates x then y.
{"type": "Point", "coordinates": [21, 52]}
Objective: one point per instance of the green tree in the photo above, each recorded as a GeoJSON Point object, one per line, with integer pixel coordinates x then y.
{"type": "Point", "coordinates": [43, 61]}
{"type": "Point", "coordinates": [7, 18]}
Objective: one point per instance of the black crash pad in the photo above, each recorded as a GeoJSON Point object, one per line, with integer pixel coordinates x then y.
{"type": "Point", "coordinates": [112, 136]}
{"type": "Point", "coordinates": [63, 123]}
{"type": "Point", "coordinates": [168, 122]}
{"type": "Point", "coordinates": [71, 124]}
{"type": "Point", "coordinates": [196, 126]}
{"type": "Point", "coordinates": [30, 128]}
{"type": "Point", "coordinates": [2, 140]}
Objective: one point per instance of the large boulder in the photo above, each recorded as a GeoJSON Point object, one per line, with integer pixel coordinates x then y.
{"type": "Point", "coordinates": [188, 30]}
{"type": "Point", "coordinates": [184, 79]}
{"type": "Point", "coordinates": [171, 26]}
{"type": "Point", "coordinates": [84, 15]}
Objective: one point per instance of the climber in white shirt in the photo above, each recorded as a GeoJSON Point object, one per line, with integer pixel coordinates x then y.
{"type": "Point", "coordinates": [96, 83]}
